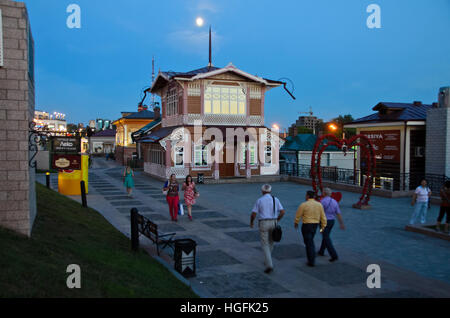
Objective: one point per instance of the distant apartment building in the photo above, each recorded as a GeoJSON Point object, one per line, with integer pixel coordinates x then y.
{"type": "Point", "coordinates": [309, 122]}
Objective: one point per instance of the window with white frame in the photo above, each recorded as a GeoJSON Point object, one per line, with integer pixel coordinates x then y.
{"type": "Point", "coordinates": [252, 151]}
{"type": "Point", "coordinates": [179, 157]}
{"type": "Point", "coordinates": [268, 155]}
{"type": "Point", "coordinates": [172, 102]}
{"type": "Point", "coordinates": [226, 100]}
{"type": "Point", "coordinates": [200, 156]}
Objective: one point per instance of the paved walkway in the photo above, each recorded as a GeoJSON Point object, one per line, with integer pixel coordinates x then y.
{"type": "Point", "coordinates": [230, 260]}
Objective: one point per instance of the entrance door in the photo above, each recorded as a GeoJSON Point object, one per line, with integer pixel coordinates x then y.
{"type": "Point", "coordinates": [226, 169]}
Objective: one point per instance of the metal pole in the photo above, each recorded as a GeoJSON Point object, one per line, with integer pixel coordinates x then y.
{"type": "Point", "coordinates": [83, 194]}
{"type": "Point", "coordinates": [47, 180]}
{"type": "Point", "coordinates": [134, 229]}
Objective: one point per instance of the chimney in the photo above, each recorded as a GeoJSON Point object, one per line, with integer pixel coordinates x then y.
{"type": "Point", "coordinates": [417, 103]}
{"type": "Point", "coordinates": [435, 105]}
{"type": "Point", "coordinates": [157, 112]}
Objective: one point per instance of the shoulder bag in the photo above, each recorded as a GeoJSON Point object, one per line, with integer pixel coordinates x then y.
{"type": "Point", "coordinates": [277, 233]}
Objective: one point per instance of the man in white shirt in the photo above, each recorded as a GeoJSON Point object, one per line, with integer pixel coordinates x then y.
{"type": "Point", "coordinates": [268, 216]}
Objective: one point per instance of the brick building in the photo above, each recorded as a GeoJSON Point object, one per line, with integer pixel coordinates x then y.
{"type": "Point", "coordinates": [17, 179]}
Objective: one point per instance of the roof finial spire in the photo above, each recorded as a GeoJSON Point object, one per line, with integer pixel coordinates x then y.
{"type": "Point", "coordinates": [210, 48]}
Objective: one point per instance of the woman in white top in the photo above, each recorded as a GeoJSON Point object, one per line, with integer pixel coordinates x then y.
{"type": "Point", "coordinates": [420, 200]}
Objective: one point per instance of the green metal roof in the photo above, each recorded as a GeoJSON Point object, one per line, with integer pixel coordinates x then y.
{"type": "Point", "coordinates": [303, 142]}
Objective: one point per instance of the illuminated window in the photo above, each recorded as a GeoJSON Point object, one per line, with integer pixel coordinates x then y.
{"type": "Point", "coordinates": [227, 100]}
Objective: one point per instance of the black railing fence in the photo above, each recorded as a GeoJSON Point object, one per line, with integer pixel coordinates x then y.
{"type": "Point", "coordinates": [386, 181]}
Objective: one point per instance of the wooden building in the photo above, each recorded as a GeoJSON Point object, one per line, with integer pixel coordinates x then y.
{"type": "Point", "coordinates": [212, 123]}
{"type": "Point", "coordinates": [129, 123]}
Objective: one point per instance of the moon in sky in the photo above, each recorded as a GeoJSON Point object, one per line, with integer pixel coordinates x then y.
{"type": "Point", "coordinates": [200, 21]}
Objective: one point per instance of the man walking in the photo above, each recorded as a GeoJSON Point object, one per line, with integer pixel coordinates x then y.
{"type": "Point", "coordinates": [311, 212]}
{"type": "Point", "coordinates": [332, 211]}
{"type": "Point", "coordinates": [269, 211]}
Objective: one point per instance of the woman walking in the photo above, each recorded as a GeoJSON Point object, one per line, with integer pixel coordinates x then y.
{"type": "Point", "coordinates": [420, 200]}
{"type": "Point", "coordinates": [190, 193]}
{"type": "Point", "coordinates": [171, 190]}
{"type": "Point", "coordinates": [445, 207]}
{"type": "Point", "coordinates": [128, 182]}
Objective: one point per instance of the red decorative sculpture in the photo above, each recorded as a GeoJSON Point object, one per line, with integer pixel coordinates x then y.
{"type": "Point", "coordinates": [367, 152]}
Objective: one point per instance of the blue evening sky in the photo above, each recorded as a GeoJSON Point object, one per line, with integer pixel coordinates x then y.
{"type": "Point", "coordinates": [337, 64]}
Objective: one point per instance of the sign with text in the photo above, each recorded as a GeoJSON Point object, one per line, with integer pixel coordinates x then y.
{"type": "Point", "coordinates": [386, 144]}
{"type": "Point", "coordinates": [66, 162]}
{"type": "Point", "coordinates": [66, 145]}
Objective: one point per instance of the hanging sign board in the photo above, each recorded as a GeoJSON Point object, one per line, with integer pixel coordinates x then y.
{"type": "Point", "coordinates": [66, 162]}
{"type": "Point", "coordinates": [66, 145]}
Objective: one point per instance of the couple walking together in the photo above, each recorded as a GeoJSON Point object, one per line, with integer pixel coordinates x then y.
{"type": "Point", "coordinates": [171, 190]}
{"type": "Point", "coordinates": [269, 211]}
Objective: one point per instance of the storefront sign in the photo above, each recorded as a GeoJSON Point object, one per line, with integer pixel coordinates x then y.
{"type": "Point", "coordinates": [66, 162]}
{"type": "Point", "coordinates": [66, 145]}
{"type": "Point", "coordinates": [386, 144]}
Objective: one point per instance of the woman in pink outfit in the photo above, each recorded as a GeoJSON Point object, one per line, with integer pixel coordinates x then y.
{"type": "Point", "coordinates": [190, 193]}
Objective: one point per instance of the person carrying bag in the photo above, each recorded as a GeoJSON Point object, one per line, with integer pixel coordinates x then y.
{"type": "Point", "coordinates": [266, 209]}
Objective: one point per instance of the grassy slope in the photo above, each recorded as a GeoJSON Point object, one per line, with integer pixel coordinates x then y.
{"type": "Point", "coordinates": [64, 233]}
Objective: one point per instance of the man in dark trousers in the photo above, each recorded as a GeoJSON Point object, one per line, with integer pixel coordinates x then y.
{"type": "Point", "coordinates": [311, 213]}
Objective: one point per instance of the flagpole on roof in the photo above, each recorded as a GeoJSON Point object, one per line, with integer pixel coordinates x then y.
{"type": "Point", "coordinates": [210, 48]}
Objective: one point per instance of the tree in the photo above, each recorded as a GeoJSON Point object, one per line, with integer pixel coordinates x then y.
{"type": "Point", "coordinates": [341, 121]}
{"type": "Point", "coordinates": [304, 130]}
{"type": "Point", "coordinates": [72, 128]}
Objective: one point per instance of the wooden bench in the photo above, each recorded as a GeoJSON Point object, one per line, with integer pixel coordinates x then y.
{"type": "Point", "coordinates": [150, 230]}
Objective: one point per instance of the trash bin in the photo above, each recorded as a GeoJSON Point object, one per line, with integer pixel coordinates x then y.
{"type": "Point", "coordinates": [200, 178]}
{"type": "Point", "coordinates": [184, 256]}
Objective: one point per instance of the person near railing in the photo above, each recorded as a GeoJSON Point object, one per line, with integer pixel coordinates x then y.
{"type": "Point", "coordinates": [445, 207]}
{"type": "Point", "coordinates": [332, 211]}
{"type": "Point", "coordinates": [420, 202]}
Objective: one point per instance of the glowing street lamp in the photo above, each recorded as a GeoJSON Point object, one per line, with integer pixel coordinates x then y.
{"type": "Point", "coordinates": [333, 127]}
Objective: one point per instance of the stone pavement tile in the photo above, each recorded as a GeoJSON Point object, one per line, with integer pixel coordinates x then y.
{"type": "Point", "coordinates": [337, 274]}
{"type": "Point", "coordinates": [110, 192]}
{"type": "Point", "coordinates": [114, 198]}
{"type": "Point", "coordinates": [140, 209]}
{"type": "Point", "coordinates": [170, 227]}
{"type": "Point", "coordinates": [243, 285]}
{"type": "Point", "coordinates": [245, 236]}
{"type": "Point", "coordinates": [225, 224]}
{"type": "Point", "coordinates": [198, 240]}
{"type": "Point", "coordinates": [207, 215]}
{"type": "Point", "coordinates": [214, 258]}
{"type": "Point", "coordinates": [155, 217]}
{"type": "Point", "coordinates": [156, 196]}
{"type": "Point", "coordinates": [126, 203]}
{"type": "Point", "coordinates": [288, 251]}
